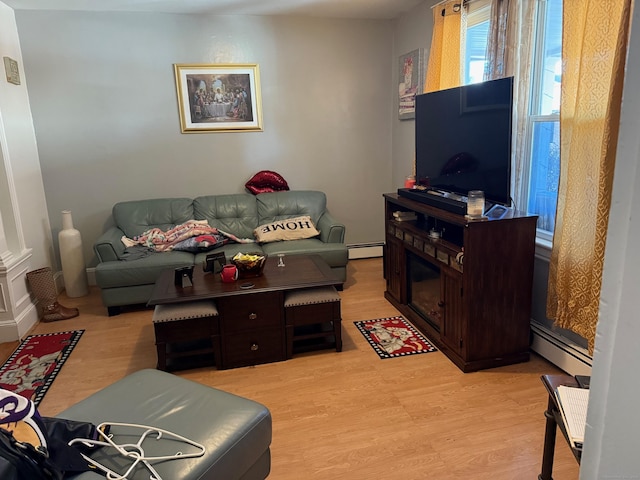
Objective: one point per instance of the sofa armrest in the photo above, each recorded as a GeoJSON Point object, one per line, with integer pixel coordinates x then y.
{"type": "Point", "coordinates": [109, 246]}
{"type": "Point", "coordinates": [331, 231]}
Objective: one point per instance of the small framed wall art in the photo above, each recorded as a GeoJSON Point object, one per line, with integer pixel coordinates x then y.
{"type": "Point", "coordinates": [219, 98]}
{"type": "Point", "coordinates": [410, 81]}
{"type": "Point", "coordinates": [12, 71]}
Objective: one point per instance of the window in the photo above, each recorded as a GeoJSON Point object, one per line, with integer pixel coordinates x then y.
{"type": "Point", "coordinates": [476, 39]}
{"type": "Point", "coordinates": [542, 170]}
{"type": "Point", "coordinates": [543, 127]}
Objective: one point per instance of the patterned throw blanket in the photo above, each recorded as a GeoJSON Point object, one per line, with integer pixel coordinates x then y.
{"type": "Point", "coordinates": [184, 237]}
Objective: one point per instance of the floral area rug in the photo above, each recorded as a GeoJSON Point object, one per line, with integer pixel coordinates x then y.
{"type": "Point", "coordinates": [33, 367]}
{"type": "Point", "coordinates": [394, 337]}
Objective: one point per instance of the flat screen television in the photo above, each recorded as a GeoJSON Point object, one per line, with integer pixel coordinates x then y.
{"type": "Point", "coordinates": [463, 140]}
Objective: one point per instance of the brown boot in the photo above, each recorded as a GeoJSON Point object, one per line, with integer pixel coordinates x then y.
{"type": "Point", "coordinates": [44, 288]}
{"type": "Point", "coordinates": [56, 311]}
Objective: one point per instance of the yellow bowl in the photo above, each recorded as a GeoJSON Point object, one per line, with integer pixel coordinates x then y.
{"type": "Point", "coordinates": [249, 264]}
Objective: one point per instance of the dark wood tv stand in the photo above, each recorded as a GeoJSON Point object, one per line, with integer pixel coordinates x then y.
{"type": "Point", "coordinates": [470, 290]}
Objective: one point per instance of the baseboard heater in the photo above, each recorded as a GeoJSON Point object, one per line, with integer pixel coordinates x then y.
{"type": "Point", "coordinates": [559, 351]}
{"type": "Point", "coordinates": [365, 250]}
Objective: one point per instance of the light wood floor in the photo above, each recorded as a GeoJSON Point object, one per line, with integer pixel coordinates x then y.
{"type": "Point", "coordinates": [346, 415]}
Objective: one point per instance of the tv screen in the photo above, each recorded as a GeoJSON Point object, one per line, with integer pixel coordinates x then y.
{"type": "Point", "coordinates": [463, 139]}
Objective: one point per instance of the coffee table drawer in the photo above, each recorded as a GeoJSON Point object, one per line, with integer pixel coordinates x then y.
{"type": "Point", "coordinates": [253, 348]}
{"type": "Point", "coordinates": [250, 312]}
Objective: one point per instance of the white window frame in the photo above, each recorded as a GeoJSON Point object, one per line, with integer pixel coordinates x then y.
{"type": "Point", "coordinates": [544, 237]}
{"type": "Point", "coordinates": [478, 12]}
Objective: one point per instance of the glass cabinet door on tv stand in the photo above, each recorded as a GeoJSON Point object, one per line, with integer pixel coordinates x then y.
{"type": "Point", "coordinates": [465, 284]}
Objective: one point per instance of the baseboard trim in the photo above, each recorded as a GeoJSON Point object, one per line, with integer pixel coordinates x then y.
{"type": "Point", "coordinates": [18, 328]}
{"type": "Point", "coordinates": [365, 250]}
{"type": "Point", "coordinates": [555, 348]}
{"type": "Point", "coordinates": [91, 276]}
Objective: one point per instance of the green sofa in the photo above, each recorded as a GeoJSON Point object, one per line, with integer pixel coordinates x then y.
{"type": "Point", "coordinates": [130, 281]}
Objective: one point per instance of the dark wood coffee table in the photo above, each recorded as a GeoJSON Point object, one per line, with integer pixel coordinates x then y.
{"type": "Point", "coordinates": [251, 310]}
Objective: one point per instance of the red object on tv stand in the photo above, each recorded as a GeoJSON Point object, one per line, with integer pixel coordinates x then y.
{"type": "Point", "coordinates": [409, 182]}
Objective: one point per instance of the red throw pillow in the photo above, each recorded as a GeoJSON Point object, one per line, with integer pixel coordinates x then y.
{"type": "Point", "coordinates": [266, 181]}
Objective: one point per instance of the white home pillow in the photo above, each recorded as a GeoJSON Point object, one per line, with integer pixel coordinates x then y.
{"type": "Point", "coordinates": [288, 229]}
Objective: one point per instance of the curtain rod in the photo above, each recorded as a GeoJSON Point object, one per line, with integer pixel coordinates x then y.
{"type": "Point", "coordinates": [461, 3]}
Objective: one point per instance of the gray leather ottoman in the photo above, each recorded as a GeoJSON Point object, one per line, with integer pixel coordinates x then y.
{"type": "Point", "coordinates": [235, 431]}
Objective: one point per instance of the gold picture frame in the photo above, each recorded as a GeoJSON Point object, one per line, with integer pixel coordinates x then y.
{"type": "Point", "coordinates": [219, 97]}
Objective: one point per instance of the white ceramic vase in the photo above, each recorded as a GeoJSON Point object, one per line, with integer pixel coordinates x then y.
{"type": "Point", "coordinates": [73, 266]}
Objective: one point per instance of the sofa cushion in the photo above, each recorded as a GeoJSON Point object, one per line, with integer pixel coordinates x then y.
{"type": "Point", "coordinates": [136, 217]}
{"type": "Point", "coordinates": [334, 254]}
{"type": "Point", "coordinates": [143, 271]}
{"type": "Point", "coordinates": [235, 213]}
{"type": "Point", "coordinates": [295, 228]}
{"type": "Point", "coordinates": [282, 205]}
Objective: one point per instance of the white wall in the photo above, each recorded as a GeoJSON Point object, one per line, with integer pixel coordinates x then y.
{"type": "Point", "coordinates": [613, 422]}
{"type": "Point", "coordinates": [412, 30]}
{"type": "Point", "coordinates": [105, 111]}
{"type": "Point", "coordinates": [25, 233]}
{"type": "Point", "coordinates": [21, 164]}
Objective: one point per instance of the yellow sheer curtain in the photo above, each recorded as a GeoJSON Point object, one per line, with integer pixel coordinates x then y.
{"type": "Point", "coordinates": [594, 47]}
{"type": "Point", "coordinates": [445, 69]}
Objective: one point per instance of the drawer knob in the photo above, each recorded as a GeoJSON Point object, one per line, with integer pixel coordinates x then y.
{"type": "Point", "coordinates": [252, 316]}
{"type": "Point", "coordinates": [254, 347]}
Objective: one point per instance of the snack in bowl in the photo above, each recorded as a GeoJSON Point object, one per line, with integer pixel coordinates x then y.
{"type": "Point", "coordinates": [249, 264]}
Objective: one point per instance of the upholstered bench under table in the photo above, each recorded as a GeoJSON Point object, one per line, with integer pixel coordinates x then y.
{"type": "Point", "coordinates": [186, 329]}
{"type": "Point", "coordinates": [307, 314]}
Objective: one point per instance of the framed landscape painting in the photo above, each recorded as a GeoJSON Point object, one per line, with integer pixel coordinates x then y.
{"type": "Point", "coordinates": [219, 98]}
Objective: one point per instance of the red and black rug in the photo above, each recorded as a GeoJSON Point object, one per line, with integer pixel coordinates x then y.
{"type": "Point", "coordinates": [33, 367]}
{"type": "Point", "coordinates": [394, 337]}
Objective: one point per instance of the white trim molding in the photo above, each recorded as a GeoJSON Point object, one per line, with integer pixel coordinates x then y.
{"type": "Point", "coordinates": [18, 314]}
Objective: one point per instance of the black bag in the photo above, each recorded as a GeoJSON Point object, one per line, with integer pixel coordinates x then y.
{"type": "Point", "coordinates": [34, 447]}
{"type": "Point", "coordinates": [20, 461]}
{"type": "Point", "coordinates": [23, 461]}
{"type": "Point", "coordinates": [59, 433]}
